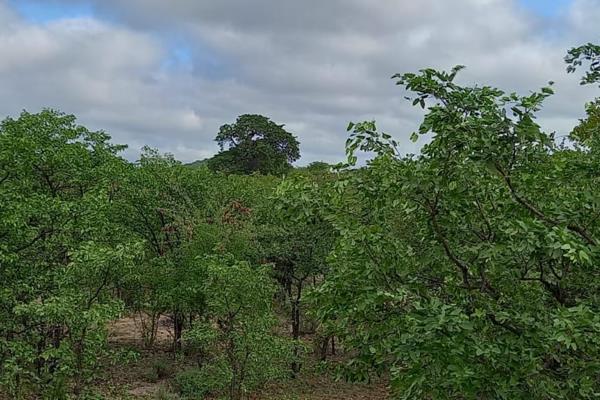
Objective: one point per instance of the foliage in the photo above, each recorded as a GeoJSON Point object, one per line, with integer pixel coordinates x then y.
{"type": "Point", "coordinates": [587, 131]}
{"type": "Point", "coordinates": [586, 53]}
{"type": "Point", "coordinates": [199, 382]}
{"type": "Point", "coordinates": [297, 241]}
{"type": "Point", "coordinates": [254, 143]}
{"type": "Point", "coordinates": [161, 203]}
{"type": "Point", "coordinates": [60, 255]}
{"type": "Point", "coordinates": [238, 332]}
{"type": "Point", "coordinates": [468, 271]}
{"type": "Point", "coordinates": [317, 167]}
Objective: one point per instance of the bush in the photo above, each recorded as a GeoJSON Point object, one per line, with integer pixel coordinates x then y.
{"type": "Point", "coordinates": [165, 394]}
{"type": "Point", "coordinates": [199, 382]}
{"type": "Point", "coordinates": [160, 369]}
{"type": "Point", "coordinates": [239, 301]}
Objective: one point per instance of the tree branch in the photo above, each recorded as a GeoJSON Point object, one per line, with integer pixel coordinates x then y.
{"type": "Point", "coordinates": [582, 232]}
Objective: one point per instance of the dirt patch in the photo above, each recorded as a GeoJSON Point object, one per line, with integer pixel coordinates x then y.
{"type": "Point", "coordinates": [312, 385]}
{"type": "Point", "coordinates": [128, 331]}
{"type": "Point", "coordinates": [134, 380]}
{"type": "Point", "coordinates": [145, 389]}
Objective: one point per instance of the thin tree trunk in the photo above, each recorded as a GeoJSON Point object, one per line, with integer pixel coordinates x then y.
{"type": "Point", "coordinates": [323, 348]}
{"type": "Point", "coordinates": [296, 329]}
{"type": "Point", "coordinates": [178, 320]}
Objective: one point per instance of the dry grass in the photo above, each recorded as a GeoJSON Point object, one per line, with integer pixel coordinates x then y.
{"type": "Point", "coordinates": [315, 386]}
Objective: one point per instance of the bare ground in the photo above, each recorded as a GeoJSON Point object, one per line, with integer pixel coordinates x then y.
{"type": "Point", "coordinates": [135, 379]}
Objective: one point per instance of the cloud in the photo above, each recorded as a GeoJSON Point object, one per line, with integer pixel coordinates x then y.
{"type": "Point", "coordinates": [168, 74]}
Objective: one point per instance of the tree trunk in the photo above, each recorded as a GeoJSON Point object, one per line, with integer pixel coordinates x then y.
{"type": "Point", "coordinates": [296, 329]}
{"type": "Point", "coordinates": [79, 363]}
{"type": "Point", "coordinates": [235, 386]}
{"type": "Point", "coordinates": [333, 345]}
{"type": "Point", "coordinates": [149, 324]}
{"type": "Point", "coordinates": [323, 348]}
{"type": "Point", "coordinates": [178, 320]}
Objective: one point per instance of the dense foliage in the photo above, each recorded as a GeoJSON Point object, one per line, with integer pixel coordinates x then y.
{"type": "Point", "coordinates": [60, 253]}
{"type": "Point", "coordinates": [254, 143]}
{"type": "Point", "coordinates": [467, 271]}
{"type": "Point", "coordinates": [479, 253]}
{"type": "Point", "coordinates": [87, 236]}
{"type": "Point", "coordinates": [470, 270]}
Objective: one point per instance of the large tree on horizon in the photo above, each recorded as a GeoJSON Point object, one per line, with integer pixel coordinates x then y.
{"type": "Point", "coordinates": [254, 143]}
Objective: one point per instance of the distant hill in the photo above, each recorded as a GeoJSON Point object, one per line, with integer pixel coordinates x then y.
{"type": "Point", "coordinates": [313, 167]}
{"type": "Point", "coordinates": [197, 163]}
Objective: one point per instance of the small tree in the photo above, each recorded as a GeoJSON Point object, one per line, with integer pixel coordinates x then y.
{"type": "Point", "coordinates": [238, 333]}
{"type": "Point", "coordinates": [254, 143]}
{"type": "Point", "coordinates": [153, 204]}
{"type": "Point", "coordinates": [297, 241]}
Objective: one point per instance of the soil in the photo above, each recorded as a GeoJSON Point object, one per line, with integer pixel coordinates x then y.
{"type": "Point", "coordinates": [136, 378]}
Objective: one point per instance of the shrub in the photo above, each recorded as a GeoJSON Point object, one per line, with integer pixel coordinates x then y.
{"type": "Point", "coordinates": [199, 382]}
{"type": "Point", "coordinates": [160, 369]}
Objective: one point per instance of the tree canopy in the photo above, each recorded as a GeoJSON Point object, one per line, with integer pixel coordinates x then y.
{"type": "Point", "coordinates": [254, 143]}
{"type": "Point", "coordinates": [470, 270]}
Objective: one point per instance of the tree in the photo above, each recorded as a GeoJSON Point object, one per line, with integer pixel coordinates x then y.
{"type": "Point", "coordinates": [254, 144]}
{"type": "Point", "coordinates": [468, 271]}
{"type": "Point", "coordinates": [60, 254]}
{"type": "Point", "coordinates": [239, 328]}
{"type": "Point", "coordinates": [180, 214]}
{"type": "Point", "coordinates": [297, 241]}
{"type": "Point", "coordinates": [158, 201]}
{"type": "Point", "coordinates": [587, 132]}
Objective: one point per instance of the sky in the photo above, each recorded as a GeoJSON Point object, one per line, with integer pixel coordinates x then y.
{"type": "Point", "coordinates": [168, 74]}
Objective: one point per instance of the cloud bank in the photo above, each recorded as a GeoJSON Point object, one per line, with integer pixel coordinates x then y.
{"type": "Point", "coordinates": [168, 74]}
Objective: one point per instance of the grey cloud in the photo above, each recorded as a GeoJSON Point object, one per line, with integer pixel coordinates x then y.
{"type": "Point", "coordinates": [313, 65]}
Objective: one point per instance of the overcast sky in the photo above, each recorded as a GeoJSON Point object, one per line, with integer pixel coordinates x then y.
{"type": "Point", "coordinates": [169, 73]}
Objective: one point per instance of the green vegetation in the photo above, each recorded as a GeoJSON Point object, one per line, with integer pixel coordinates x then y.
{"type": "Point", "coordinates": [479, 253]}
{"type": "Point", "coordinates": [468, 271]}
{"type": "Point", "coordinates": [254, 144]}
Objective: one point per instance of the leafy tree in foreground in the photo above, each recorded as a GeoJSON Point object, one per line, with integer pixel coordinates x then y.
{"type": "Point", "coordinates": [589, 53]}
{"type": "Point", "coordinates": [238, 333]}
{"type": "Point", "coordinates": [60, 256]}
{"type": "Point", "coordinates": [471, 270]}
{"type": "Point", "coordinates": [254, 143]}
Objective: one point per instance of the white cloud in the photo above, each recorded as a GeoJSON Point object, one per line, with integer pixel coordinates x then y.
{"type": "Point", "coordinates": [312, 65]}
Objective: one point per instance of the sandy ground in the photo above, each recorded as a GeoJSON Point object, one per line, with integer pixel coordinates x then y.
{"type": "Point", "coordinates": [128, 331]}
{"type": "Point", "coordinates": [133, 380]}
